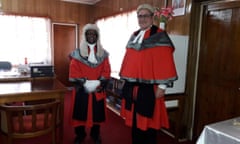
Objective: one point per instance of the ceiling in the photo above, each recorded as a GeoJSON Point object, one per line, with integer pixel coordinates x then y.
{"type": "Point", "coordinates": [89, 2]}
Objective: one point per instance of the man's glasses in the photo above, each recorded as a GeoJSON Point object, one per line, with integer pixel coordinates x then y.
{"type": "Point", "coordinates": [145, 16]}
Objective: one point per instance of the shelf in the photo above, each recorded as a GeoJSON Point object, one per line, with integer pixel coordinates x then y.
{"type": "Point", "coordinates": [113, 109]}
{"type": "Point", "coordinates": [113, 104]}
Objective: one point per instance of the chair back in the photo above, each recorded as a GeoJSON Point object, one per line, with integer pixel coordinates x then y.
{"type": "Point", "coordinates": [5, 65]}
{"type": "Point", "coordinates": [28, 121]}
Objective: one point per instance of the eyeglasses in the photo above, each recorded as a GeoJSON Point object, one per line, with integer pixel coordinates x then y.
{"type": "Point", "coordinates": [145, 16]}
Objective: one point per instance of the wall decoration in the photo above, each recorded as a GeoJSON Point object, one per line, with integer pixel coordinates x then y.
{"type": "Point", "coordinates": [178, 7]}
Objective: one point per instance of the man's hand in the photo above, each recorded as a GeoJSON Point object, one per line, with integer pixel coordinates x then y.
{"type": "Point", "coordinates": [159, 92]}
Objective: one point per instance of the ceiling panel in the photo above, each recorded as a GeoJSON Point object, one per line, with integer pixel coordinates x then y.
{"type": "Point", "coordinates": [89, 2]}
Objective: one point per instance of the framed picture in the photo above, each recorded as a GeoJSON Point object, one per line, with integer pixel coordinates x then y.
{"type": "Point", "coordinates": [178, 7]}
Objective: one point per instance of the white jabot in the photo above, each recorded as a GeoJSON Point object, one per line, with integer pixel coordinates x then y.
{"type": "Point", "coordinates": [91, 56]}
{"type": "Point", "coordinates": [139, 37]}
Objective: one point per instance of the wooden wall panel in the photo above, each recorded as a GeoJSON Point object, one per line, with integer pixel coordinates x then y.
{"type": "Point", "coordinates": [179, 25]}
{"type": "Point", "coordinates": [55, 9]}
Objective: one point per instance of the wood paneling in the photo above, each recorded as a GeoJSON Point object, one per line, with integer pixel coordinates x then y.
{"type": "Point", "coordinates": [179, 25]}
{"type": "Point", "coordinates": [55, 9]}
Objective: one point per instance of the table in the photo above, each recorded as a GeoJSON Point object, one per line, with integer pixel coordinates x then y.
{"type": "Point", "coordinates": [27, 89]}
{"type": "Point", "coordinates": [224, 132]}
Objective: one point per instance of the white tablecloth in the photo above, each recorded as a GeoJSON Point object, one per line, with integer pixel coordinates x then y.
{"type": "Point", "coordinates": [224, 132]}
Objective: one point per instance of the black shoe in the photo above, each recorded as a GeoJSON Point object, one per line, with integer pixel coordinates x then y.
{"type": "Point", "coordinates": [97, 140]}
{"type": "Point", "coordinates": [78, 140]}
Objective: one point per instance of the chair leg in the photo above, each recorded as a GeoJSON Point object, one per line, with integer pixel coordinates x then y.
{"type": "Point", "coordinates": [9, 140]}
{"type": "Point", "coordinates": [53, 137]}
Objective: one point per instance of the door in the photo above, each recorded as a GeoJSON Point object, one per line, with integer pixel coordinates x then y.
{"type": "Point", "coordinates": [218, 80]}
{"type": "Point", "coordinates": [65, 41]}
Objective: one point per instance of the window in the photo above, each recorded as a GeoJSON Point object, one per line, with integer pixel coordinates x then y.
{"type": "Point", "coordinates": [115, 32]}
{"type": "Point", "coordinates": [25, 37]}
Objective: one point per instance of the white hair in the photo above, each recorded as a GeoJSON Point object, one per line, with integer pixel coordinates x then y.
{"type": "Point", "coordinates": [84, 43]}
{"type": "Point", "coordinates": [146, 6]}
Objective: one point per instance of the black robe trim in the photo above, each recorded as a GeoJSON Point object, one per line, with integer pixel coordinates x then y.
{"type": "Point", "coordinates": [80, 107]}
{"type": "Point", "coordinates": [155, 39]}
{"type": "Point", "coordinates": [145, 101]}
{"type": "Point", "coordinates": [76, 55]}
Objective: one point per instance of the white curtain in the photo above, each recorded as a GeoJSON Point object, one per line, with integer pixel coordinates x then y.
{"type": "Point", "coordinates": [115, 32]}
{"type": "Point", "coordinates": [25, 37]}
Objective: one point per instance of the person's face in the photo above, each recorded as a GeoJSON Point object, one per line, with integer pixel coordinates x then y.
{"type": "Point", "coordinates": [91, 36]}
{"type": "Point", "coordinates": [145, 18]}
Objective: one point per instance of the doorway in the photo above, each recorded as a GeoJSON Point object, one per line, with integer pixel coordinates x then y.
{"type": "Point", "coordinates": [218, 78]}
{"type": "Point", "coordinates": [65, 41]}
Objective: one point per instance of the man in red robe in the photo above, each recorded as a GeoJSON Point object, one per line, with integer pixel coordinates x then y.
{"type": "Point", "coordinates": [89, 71]}
{"type": "Point", "coordinates": [148, 68]}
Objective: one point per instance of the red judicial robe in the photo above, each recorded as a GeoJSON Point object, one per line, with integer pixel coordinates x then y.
{"type": "Point", "coordinates": [82, 69]}
{"type": "Point", "coordinates": [150, 62]}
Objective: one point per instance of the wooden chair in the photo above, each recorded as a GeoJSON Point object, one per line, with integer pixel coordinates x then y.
{"type": "Point", "coordinates": [29, 121]}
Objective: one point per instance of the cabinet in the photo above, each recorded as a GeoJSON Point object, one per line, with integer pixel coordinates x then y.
{"type": "Point", "coordinates": [174, 104]}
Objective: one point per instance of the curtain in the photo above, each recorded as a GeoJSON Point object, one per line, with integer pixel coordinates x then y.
{"type": "Point", "coordinates": [114, 34]}
{"type": "Point", "coordinates": [23, 37]}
